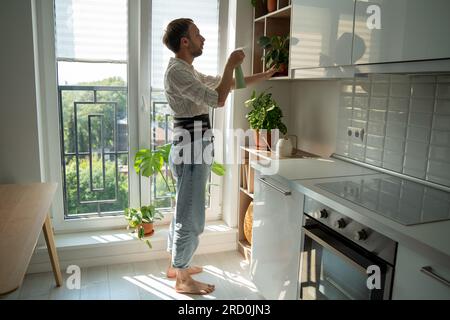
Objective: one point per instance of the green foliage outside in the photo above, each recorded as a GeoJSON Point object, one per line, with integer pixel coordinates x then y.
{"type": "Point", "coordinates": [109, 121]}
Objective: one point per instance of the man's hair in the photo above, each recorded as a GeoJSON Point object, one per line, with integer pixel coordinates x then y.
{"type": "Point", "coordinates": [175, 30]}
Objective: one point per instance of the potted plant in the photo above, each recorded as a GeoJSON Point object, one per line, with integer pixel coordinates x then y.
{"type": "Point", "coordinates": [142, 220]}
{"type": "Point", "coordinates": [276, 53]}
{"type": "Point", "coordinates": [271, 4]}
{"type": "Point", "coordinates": [148, 163]}
{"type": "Point", "coordinates": [264, 116]}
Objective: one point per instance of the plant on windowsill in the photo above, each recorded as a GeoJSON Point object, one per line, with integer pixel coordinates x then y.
{"type": "Point", "coordinates": [142, 220]}
{"type": "Point", "coordinates": [264, 117]}
{"type": "Point", "coordinates": [276, 53]}
{"type": "Point", "coordinates": [149, 163]}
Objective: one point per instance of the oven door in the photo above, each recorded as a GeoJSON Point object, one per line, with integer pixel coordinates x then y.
{"type": "Point", "coordinates": [332, 267]}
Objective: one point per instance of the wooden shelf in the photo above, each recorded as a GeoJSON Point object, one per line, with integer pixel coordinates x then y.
{"type": "Point", "coordinates": [276, 23]}
{"type": "Point", "coordinates": [281, 13]}
{"type": "Point", "coordinates": [246, 192]}
{"type": "Point", "coordinates": [246, 185]}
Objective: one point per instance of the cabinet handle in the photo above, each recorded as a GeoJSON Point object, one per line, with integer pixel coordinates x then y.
{"type": "Point", "coordinates": [429, 271]}
{"type": "Point", "coordinates": [284, 192]}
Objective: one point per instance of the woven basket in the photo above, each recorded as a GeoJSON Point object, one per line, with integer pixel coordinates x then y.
{"type": "Point", "coordinates": [248, 222]}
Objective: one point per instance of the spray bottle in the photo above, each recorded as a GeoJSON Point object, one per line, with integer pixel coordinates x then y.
{"type": "Point", "coordinates": [239, 76]}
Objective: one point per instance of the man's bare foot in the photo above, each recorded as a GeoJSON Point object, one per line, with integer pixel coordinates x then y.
{"type": "Point", "coordinates": [172, 272]}
{"type": "Point", "coordinates": [185, 284]}
{"type": "Point", "coordinates": [191, 286]}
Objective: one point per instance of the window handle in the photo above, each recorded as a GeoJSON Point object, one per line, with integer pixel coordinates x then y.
{"type": "Point", "coordinates": [143, 105]}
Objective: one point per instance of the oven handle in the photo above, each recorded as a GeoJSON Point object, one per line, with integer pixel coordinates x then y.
{"type": "Point", "coordinates": [330, 247]}
{"type": "Point", "coordinates": [429, 272]}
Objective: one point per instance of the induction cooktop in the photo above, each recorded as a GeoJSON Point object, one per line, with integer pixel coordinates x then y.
{"type": "Point", "coordinates": [401, 200]}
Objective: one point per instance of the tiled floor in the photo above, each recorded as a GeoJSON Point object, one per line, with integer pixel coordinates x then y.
{"type": "Point", "coordinates": [145, 281]}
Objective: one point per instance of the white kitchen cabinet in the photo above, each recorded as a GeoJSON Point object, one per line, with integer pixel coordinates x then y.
{"type": "Point", "coordinates": [277, 214]}
{"type": "Point", "coordinates": [321, 33]}
{"type": "Point", "coordinates": [412, 283]}
{"type": "Point", "coordinates": [401, 30]}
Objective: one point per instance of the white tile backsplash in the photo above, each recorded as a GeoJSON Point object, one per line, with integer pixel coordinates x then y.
{"type": "Point", "coordinates": [420, 119]}
{"type": "Point", "coordinates": [441, 138]}
{"type": "Point", "coordinates": [378, 103]}
{"type": "Point", "coordinates": [443, 90]}
{"type": "Point", "coordinates": [422, 90]}
{"type": "Point", "coordinates": [377, 115]}
{"type": "Point", "coordinates": [418, 133]}
{"type": "Point", "coordinates": [425, 105]}
{"type": "Point", "coordinates": [443, 106]}
{"type": "Point", "coordinates": [380, 90]}
{"type": "Point", "coordinates": [361, 102]}
{"type": "Point", "coordinates": [440, 153]}
{"type": "Point", "coordinates": [399, 104]}
{"type": "Point", "coordinates": [408, 124]}
{"type": "Point", "coordinates": [441, 122]}
{"type": "Point", "coordinates": [394, 144]}
{"type": "Point", "coordinates": [375, 141]}
{"type": "Point", "coordinates": [395, 130]}
{"type": "Point", "coordinates": [395, 116]}
{"type": "Point", "coordinates": [400, 90]}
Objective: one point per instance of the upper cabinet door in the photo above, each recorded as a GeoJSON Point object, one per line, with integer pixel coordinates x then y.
{"type": "Point", "coordinates": [401, 30]}
{"type": "Point", "coordinates": [322, 33]}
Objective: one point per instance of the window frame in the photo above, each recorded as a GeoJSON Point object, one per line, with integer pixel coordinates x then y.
{"type": "Point", "coordinates": [139, 103]}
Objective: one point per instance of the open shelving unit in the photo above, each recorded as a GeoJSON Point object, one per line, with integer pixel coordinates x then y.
{"type": "Point", "coordinates": [269, 24]}
{"type": "Point", "coordinates": [246, 188]}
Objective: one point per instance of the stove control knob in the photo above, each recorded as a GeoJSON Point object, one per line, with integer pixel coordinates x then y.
{"type": "Point", "coordinates": [360, 235]}
{"type": "Point", "coordinates": [323, 214]}
{"type": "Point", "coordinates": [340, 224]}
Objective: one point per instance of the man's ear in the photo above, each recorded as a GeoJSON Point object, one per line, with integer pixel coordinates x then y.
{"type": "Point", "coordinates": [184, 42]}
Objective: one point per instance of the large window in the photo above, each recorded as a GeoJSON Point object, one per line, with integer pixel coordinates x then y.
{"type": "Point", "coordinates": [99, 58]}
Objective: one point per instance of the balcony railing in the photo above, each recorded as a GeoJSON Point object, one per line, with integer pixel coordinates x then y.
{"type": "Point", "coordinates": [94, 149]}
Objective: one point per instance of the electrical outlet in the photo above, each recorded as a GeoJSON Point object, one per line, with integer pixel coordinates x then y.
{"type": "Point", "coordinates": [356, 133]}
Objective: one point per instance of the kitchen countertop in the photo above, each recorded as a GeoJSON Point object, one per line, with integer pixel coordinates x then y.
{"type": "Point", "coordinates": [430, 239]}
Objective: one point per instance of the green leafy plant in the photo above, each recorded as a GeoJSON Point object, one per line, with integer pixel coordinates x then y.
{"type": "Point", "coordinates": [144, 214]}
{"type": "Point", "coordinates": [265, 113]}
{"type": "Point", "coordinates": [276, 50]}
{"type": "Point", "coordinates": [147, 163]}
{"type": "Point", "coordinates": [253, 2]}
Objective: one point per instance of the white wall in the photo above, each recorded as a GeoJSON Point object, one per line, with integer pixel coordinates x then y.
{"type": "Point", "coordinates": [314, 113]}
{"type": "Point", "coordinates": [19, 159]}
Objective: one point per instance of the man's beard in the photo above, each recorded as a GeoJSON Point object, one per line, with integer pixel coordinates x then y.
{"type": "Point", "coordinates": [197, 53]}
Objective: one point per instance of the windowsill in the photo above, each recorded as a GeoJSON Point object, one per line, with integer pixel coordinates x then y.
{"type": "Point", "coordinates": [109, 238]}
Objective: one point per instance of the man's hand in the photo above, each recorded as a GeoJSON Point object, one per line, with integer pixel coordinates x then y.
{"type": "Point", "coordinates": [236, 58]}
{"type": "Point", "coordinates": [269, 73]}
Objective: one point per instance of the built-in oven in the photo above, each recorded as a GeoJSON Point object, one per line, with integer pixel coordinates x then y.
{"type": "Point", "coordinates": [342, 258]}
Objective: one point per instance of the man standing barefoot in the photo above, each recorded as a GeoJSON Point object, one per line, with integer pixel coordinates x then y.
{"type": "Point", "coordinates": [190, 94]}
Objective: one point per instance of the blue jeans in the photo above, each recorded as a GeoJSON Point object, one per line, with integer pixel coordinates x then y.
{"type": "Point", "coordinates": [189, 218]}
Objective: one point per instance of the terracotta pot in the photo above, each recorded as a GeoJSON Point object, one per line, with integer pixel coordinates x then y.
{"type": "Point", "coordinates": [271, 5]}
{"type": "Point", "coordinates": [282, 70]}
{"type": "Point", "coordinates": [148, 228]}
{"type": "Point", "coordinates": [262, 139]}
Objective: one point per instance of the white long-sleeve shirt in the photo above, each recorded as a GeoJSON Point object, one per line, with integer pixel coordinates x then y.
{"type": "Point", "coordinates": [189, 92]}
